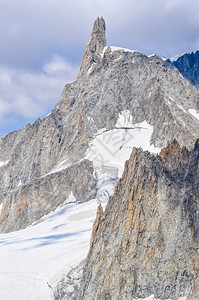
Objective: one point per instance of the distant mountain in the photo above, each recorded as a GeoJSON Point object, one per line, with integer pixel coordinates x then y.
{"type": "Point", "coordinates": [188, 65]}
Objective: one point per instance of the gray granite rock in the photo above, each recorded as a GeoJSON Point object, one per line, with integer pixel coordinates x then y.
{"type": "Point", "coordinates": [108, 83]}
{"type": "Point", "coordinates": [68, 286]}
{"type": "Point", "coordinates": [95, 46]}
{"type": "Point", "coordinates": [29, 202]}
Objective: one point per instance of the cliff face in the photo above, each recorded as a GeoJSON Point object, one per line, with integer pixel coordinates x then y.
{"type": "Point", "coordinates": [28, 203]}
{"type": "Point", "coordinates": [147, 240]}
{"type": "Point", "coordinates": [111, 80]}
{"type": "Point", "coordinates": [188, 65]}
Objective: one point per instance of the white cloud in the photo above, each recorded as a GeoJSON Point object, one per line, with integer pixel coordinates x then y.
{"type": "Point", "coordinates": [4, 108]}
{"type": "Point", "coordinates": [5, 77]}
{"type": "Point", "coordinates": [58, 66]}
{"type": "Point", "coordinates": [31, 94]}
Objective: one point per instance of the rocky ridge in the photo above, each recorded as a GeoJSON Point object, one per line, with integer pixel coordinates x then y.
{"type": "Point", "coordinates": [111, 80]}
{"type": "Point", "coordinates": [28, 203]}
{"type": "Point", "coordinates": [147, 240]}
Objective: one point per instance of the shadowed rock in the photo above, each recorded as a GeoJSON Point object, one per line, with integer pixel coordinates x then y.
{"type": "Point", "coordinates": [188, 65]}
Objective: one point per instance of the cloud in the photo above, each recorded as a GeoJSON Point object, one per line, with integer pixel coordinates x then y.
{"type": "Point", "coordinates": [33, 31]}
{"type": "Point", "coordinates": [29, 94]}
{"type": "Point", "coordinates": [58, 66]}
{"type": "Point", "coordinates": [155, 26]}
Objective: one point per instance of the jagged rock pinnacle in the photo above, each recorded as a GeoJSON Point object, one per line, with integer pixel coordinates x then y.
{"type": "Point", "coordinates": [146, 241]}
{"type": "Point", "coordinates": [95, 45]}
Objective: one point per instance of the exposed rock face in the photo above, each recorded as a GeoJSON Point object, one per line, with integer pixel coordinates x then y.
{"type": "Point", "coordinates": [47, 146]}
{"type": "Point", "coordinates": [95, 46]}
{"type": "Point", "coordinates": [30, 202]}
{"type": "Point", "coordinates": [69, 285]}
{"type": "Point", "coordinates": [108, 83]}
{"type": "Point", "coordinates": [188, 65]}
{"type": "Point", "coordinates": [147, 240]}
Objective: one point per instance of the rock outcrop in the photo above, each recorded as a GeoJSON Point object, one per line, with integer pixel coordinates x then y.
{"type": "Point", "coordinates": [68, 287]}
{"type": "Point", "coordinates": [95, 46]}
{"type": "Point", "coordinates": [147, 240]}
{"type": "Point", "coordinates": [28, 203]}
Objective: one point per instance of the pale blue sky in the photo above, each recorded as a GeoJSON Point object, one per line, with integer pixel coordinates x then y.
{"type": "Point", "coordinates": [42, 44]}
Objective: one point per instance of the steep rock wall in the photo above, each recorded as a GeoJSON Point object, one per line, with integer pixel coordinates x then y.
{"type": "Point", "coordinates": [147, 240]}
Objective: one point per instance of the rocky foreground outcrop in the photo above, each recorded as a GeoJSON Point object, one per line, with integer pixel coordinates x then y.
{"type": "Point", "coordinates": [147, 240]}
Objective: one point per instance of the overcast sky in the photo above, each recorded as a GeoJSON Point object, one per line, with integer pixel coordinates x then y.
{"type": "Point", "coordinates": [42, 43]}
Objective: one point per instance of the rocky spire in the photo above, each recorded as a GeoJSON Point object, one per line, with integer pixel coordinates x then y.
{"type": "Point", "coordinates": [95, 45]}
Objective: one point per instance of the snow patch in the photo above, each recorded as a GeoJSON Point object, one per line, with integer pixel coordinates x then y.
{"type": "Point", "coordinates": [120, 57]}
{"type": "Point", "coordinates": [91, 67]}
{"type": "Point", "coordinates": [111, 148]}
{"type": "Point", "coordinates": [152, 297]}
{"type": "Point", "coordinates": [151, 55]}
{"type": "Point", "coordinates": [177, 56]}
{"type": "Point", "coordinates": [48, 114]}
{"type": "Point", "coordinates": [64, 164]}
{"type": "Point", "coordinates": [181, 108]}
{"type": "Point", "coordinates": [71, 198]}
{"type": "Point", "coordinates": [59, 167]}
{"type": "Point", "coordinates": [125, 119]}
{"type": "Point", "coordinates": [107, 178]}
{"type": "Point", "coordinates": [4, 163]}
{"type": "Point", "coordinates": [194, 113]}
{"type": "Point", "coordinates": [19, 184]}
{"type": "Point", "coordinates": [90, 119]}
{"type": "Point", "coordinates": [113, 48]}
{"type": "Point", "coordinates": [148, 298]}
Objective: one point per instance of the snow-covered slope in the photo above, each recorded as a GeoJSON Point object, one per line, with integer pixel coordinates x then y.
{"type": "Point", "coordinates": [33, 259]}
{"type": "Point", "coordinates": [111, 148]}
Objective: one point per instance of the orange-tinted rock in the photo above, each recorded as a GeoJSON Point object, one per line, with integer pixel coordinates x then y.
{"type": "Point", "coordinates": [149, 233]}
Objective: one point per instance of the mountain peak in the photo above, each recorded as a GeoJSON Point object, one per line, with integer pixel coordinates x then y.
{"type": "Point", "coordinates": [95, 45]}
